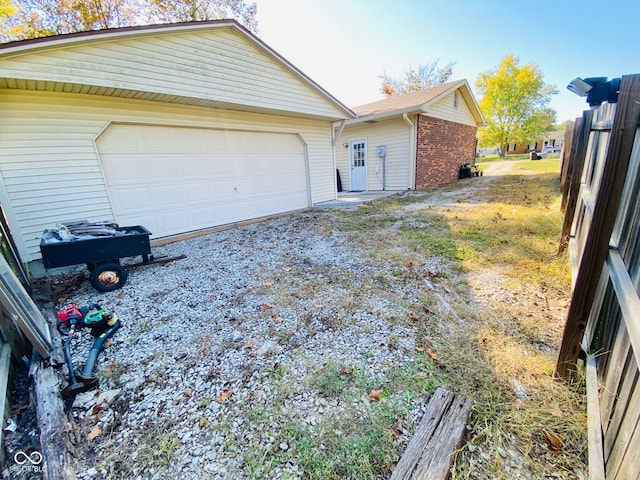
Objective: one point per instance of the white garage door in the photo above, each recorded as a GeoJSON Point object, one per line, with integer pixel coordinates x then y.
{"type": "Point", "coordinates": [174, 180]}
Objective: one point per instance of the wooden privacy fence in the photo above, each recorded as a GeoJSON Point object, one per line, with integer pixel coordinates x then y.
{"type": "Point", "coordinates": [601, 195]}
{"type": "Point", "coordinates": [22, 325]}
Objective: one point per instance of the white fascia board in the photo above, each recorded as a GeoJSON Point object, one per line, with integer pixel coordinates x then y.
{"type": "Point", "coordinates": [376, 117]}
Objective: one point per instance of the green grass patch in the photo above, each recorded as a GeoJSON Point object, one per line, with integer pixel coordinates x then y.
{"type": "Point", "coordinates": [156, 446]}
{"type": "Point", "coordinates": [505, 158]}
{"type": "Point", "coordinates": [353, 438]}
{"type": "Point", "coordinates": [349, 447]}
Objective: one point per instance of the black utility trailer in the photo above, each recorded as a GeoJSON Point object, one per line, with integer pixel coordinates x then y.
{"type": "Point", "coordinates": [101, 254]}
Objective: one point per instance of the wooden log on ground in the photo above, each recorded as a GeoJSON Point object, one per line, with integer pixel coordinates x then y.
{"type": "Point", "coordinates": [429, 454]}
{"type": "Point", "coordinates": [42, 295]}
{"type": "Point", "coordinates": [54, 426]}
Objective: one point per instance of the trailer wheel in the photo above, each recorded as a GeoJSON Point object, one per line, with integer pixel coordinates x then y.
{"type": "Point", "coordinates": [107, 277]}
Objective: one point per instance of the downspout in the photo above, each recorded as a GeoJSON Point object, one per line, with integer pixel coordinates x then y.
{"type": "Point", "coordinates": [336, 135]}
{"type": "Point", "coordinates": [384, 171]}
{"type": "Point", "coordinates": [412, 152]}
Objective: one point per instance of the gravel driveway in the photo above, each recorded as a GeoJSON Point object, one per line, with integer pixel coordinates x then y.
{"type": "Point", "coordinates": [265, 337]}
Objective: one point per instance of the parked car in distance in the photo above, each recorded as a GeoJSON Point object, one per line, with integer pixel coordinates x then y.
{"type": "Point", "coordinates": [549, 149]}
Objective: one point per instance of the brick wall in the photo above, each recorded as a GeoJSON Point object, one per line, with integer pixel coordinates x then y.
{"type": "Point", "coordinates": [441, 147]}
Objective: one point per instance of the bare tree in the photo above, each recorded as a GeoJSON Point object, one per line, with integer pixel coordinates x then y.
{"type": "Point", "coordinates": [170, 11]}
{"type": "Point", "coordinates": [425, 76]}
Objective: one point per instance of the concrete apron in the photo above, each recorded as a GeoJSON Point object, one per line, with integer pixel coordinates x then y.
{"type": "Point", "coordinates": [350, 199]}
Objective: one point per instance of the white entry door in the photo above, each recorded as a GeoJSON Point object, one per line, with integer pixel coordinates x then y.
{"type": "Point", "coordinates": [358, 160]}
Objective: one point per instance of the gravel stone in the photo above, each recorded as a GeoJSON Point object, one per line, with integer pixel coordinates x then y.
{"type": "Point", "coordinates": [249, 312]}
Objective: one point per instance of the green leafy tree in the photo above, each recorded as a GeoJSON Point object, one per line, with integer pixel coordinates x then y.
{"type": "Point", "coordinates": [561, 126]}
{"type": "Point", "coordinates": [413, 80]}
{"type": "Point", "coordinates": [21, 19]}
{"type": "Point", "coordinates": [514, 103]}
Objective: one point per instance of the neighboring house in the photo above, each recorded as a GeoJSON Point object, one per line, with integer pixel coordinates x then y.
{"type": "Point", "coordinates": [554, 139]}
{"type": "Point", "coordinates": [483, 152]}
{"type": "Point", "coordinates": [410, 141]}
{"type": "Point", "coordinates": [174, 127]}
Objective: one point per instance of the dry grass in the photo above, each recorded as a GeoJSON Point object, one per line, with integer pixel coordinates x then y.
{"type": "Point", "coordinates": [499, 323]}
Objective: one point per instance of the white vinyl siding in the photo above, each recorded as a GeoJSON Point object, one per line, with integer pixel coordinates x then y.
{"type": "Point", "coordinates": [50, 169]}
{"type": "Point", "coordinates": [446, 109]}
{"type": "Point", "coordinates": [397, 136]}
{"type": "Point", "coordinates": [216, 65]}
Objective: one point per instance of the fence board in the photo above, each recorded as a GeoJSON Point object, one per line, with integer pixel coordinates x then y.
{"type": "Point", "coordinates": [623, 394]}
{"type": "Point", "coordinates": [5, 367]}
{"type": "Point", "coordinates": [596, 244]}
{"type": "Point", "coordinates": [579, 148]}
{"type": "Point", "coordinates": [629, 467]}
{"type": "Point", "coordinates": [596, 467]}
{"type": "Point", "coordinates": [611, 384]}
{"type": "Point", "coordinates": [604, 314]}
{"type": "Point", "coordinates": [627, 298]}
{"type": "Point", "coordinates": [624, 425]}
{"type": "Point", "coordinates": [18, 304]}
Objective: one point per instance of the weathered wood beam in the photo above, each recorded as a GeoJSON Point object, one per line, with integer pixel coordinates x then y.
{"type": "Point", "coordinates": [54, 426]}
{"type": "Point", "coordinates": [429, 454]}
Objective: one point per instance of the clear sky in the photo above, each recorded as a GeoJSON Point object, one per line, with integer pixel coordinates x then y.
{"type": "Point", "coordinates": [344, 45]}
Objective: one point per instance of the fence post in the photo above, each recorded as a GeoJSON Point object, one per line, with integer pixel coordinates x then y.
{"type": "Point", "coordinates": [575, 167]}
{"type": "Point", "coordinates": [565, 169]}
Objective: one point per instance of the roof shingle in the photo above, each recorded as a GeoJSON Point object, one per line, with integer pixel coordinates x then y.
{"type": "Point", "coordinates": [406, 101]}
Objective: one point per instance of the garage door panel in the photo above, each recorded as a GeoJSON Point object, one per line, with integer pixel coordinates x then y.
{"type": "Point", "coordinates": [122, 168]}
{"type": "Point", "coordinates": [198, 166]}
{"type": "Point", "coordinates": [203, 216]}
{"type": "Point", "coordinates": [172, 222]}
{"type": "Point", "coordinates": [166, 194]}
{"type": "Point", "coordinates": [223, 166]}
{"type": "Point", "coordinates": [229, 212]}
{"type": "Point", "coordinates": [123, 198]}
{"type": "Point", "coordinates": [149, 221]}
{"type": "Point", "coordinates": [222, 189]}
{"type": "Point", "coordinates": [187, 141]}
{"type": "Point", "coordinates": [214, 142]}
{"type": "Point", "coordinates": [198, 192]}
{"type": "Point", "coordinates": [200, 178]}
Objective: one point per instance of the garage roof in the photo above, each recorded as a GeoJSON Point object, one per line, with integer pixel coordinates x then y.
{"type": "Point", "coordinates": [216, 63]}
